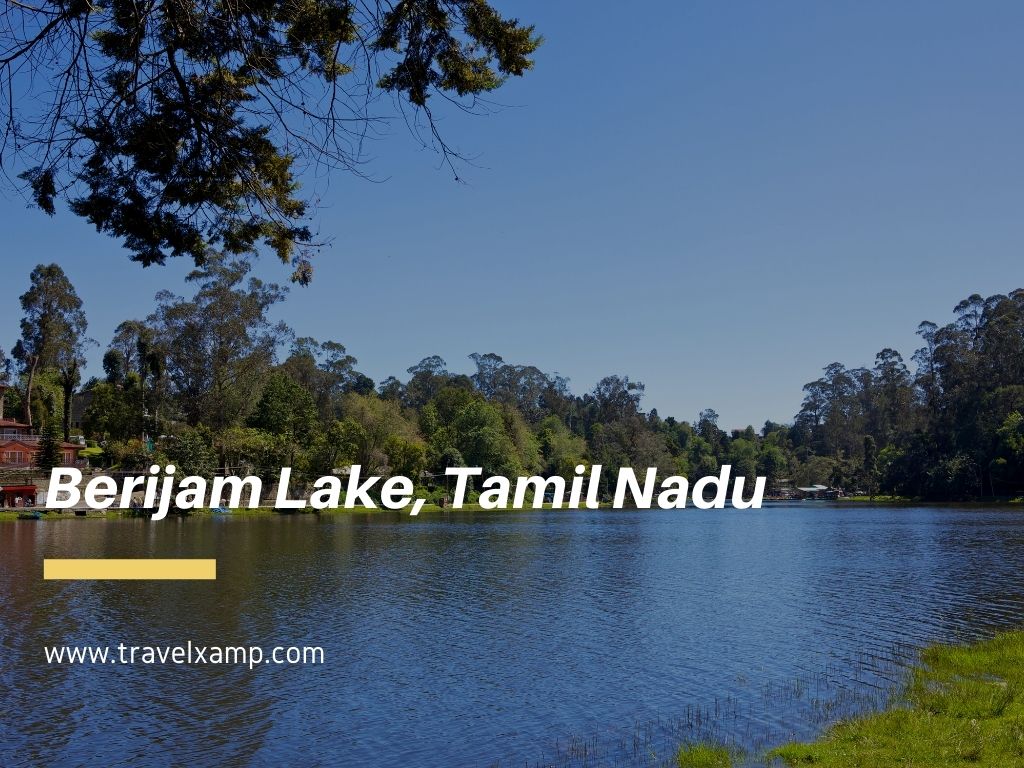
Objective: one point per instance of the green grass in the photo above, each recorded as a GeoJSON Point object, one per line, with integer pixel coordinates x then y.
{"type": "Point", "coordinates": [963, 706]}
{"type": "Point", "coordinates": [12, 514]}
{"type": "Point", "coordinates": [703, 756]}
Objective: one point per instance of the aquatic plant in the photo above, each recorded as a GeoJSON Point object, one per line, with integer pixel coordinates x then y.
{"type": "Point", "coordinates": [962, 705]}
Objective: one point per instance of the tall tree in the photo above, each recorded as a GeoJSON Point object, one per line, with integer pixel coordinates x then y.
{"type": "Point", "coordinates": [219, 345]}
{"type": "Point", "coordinates": [49, 454]}
{"type": "Point", "coordinates": [326, 371]}
{"type": "Point", "coordinates": [53, 329]}
{"type": "Point", "coordinates": [70, 360]}
{"type": "Point", "coordinates": [286, 410]}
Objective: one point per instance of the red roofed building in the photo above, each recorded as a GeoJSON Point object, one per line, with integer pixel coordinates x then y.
{"type": "Point", "coordinates": [18, 444]}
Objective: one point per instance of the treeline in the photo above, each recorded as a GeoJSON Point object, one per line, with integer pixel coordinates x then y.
{"type": "Point", "coordinates": [950, 430]}
{"type": "Point", "coordinates": [202, 383]}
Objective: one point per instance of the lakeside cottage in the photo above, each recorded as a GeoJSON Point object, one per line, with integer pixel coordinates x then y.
{"type": "Point", "coordinates": [19, 445]}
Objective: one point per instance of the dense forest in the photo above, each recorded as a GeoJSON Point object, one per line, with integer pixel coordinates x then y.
{"type": "Point", "coordinates": [210, 383]}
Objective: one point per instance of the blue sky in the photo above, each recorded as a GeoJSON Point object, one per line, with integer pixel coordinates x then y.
{"type": "Point", "coordinates": [717, 199]}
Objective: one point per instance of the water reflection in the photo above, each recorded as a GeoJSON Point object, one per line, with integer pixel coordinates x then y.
{"type": "Point", "coordinates": [490, 638]}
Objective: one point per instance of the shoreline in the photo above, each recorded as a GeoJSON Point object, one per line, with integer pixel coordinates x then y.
{"type": "Point", "coordinates": [854, 501]}
{"type": "Point", "coordinates": [961, 704]}
{"type": "Point", "coordinates": [117, 514]}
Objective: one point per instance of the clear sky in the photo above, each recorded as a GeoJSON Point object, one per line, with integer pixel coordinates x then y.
{"type": "Point", "coordinates": [717, 199]}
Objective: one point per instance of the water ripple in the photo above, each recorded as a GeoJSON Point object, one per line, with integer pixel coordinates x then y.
{"type": "Point", "coordinates": [546, 638]}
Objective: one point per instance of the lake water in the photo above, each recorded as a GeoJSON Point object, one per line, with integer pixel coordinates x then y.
{"type": "Point", "coordinates": [511, 639]}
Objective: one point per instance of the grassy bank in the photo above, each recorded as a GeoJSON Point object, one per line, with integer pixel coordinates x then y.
{"type": "Point", "coordinates": [963, 706]}
{"type": "Point", "coordinates": [12, 514]}
{"type": "Point", "coordinates": [703, 756]}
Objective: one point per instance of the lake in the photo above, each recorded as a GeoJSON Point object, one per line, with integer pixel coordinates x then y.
{"type": "Point", "coordinates": [479, 639]}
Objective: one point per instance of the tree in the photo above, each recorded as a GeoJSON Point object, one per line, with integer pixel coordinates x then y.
{"type": "Point", "coordinates": [949, 431]}
{"type": "Point", "coordinates": [487, 367]}
{"type": "Point", "coordinates": [246, 450]}
{"type": "Point", "coordinates": [1009, 462]}
{"type": "Point", "coordinates": [115, 411]}
{"type": "Point", "coordinates": [562, 451]}
{"type": "Point", "coordinates": [708, 429]}
{"type": "Point", "coordinates": [326, 371]}
{"type": "Point", "coordinates": [114, 366]}
{"type": "Point", "coordinates": [5, 381]}
{"type": "Point", "coordinates": [192, 454]}
{"type": "Point", "coordinates": [893, 396]}
{"type": "Point", "coordinates": [176, 125]}
{"type": "Point", "coordinates": [870, 464]}
{"type": "Point", "coordinates": [50, 453]}
{"type": "Point", "coordinates": [136, 350]}
{"type": "Point", "coordinates": [52, 332]}
{"type": "Point", "coordinates": [335, 445]}
{"type": "Point", "coordinates": [70, 360]}
{"type": "Point", "coordinates": [428, 377]}
{"type": "Point", "coordinates": [478, 432]}
{"type": "Point", "coordinates": [391, 388]}
{"type": "Point", "coordinates": [219, 345]}
{"type": "Point", "coordinates": [526, 387]}
{"type": "Point", "coordinates": [286, 410]}
{"type": "Point", "coordinates": [773, 464]}
{"type": "Point", "coordinates": [284, 407]}
{"type": "Point", "coordinates": [743, 458]}
{"type": "Point", "coordinates": [369, 424]}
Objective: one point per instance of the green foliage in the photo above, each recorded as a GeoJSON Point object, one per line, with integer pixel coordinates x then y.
{"type": "Point", "coordinates": [561, 450]}
{"type": "Point", "coordinates": [477, 432]}
{"type": "Point", "coordinates": [205, 369]}
{"type": "Point", "coordinates": [246, 450]}
{"type": "Point", "coordinates": [703, 756]}
{"type": "Point", "coordinates": [964, 705]}
{"type": "Point", "coordinates": [50, 453]}
{"type": "Point", "coordinates": [133, 455]}
{"type": "Point", "coordinates": [326, 371]}
{"type": "Point", "coordinates": [743, 457]}
{"type": "Point", "coordinates": [94, 455]}
{"type": "Point", "coordinates": [285, 408]}
{"type": "Point", "coordinates": [52, 335]}
{"type": "Point", "coordinates": [46, 395]}
{"type": "Point", "coordinates": [192, 453]}
{"type": "Point", "coordinates": [115, 412]}
{"type": "Point", "coordinates": [335, 446]}
{"type": "Point", "coordinates": [1008, 466]}
{"type": "Point", "coordinates": [52, 317]}
{"type": "Point", "coordinates": [405, 457]}
{"type": "Point", "coordinates": [946, 432]}
{"type": "Point", "coordinates": [218, 348]}
{"type": "Point", "coordinates": [369, 428]}
{"type": "Point", "coordinates": [773, 463]}
{"type": "Point", "coordinates": [178, 126]}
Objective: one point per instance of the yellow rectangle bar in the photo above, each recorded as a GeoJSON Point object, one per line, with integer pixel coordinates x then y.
{"type": "Point", "coordinates": [141, 568]}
